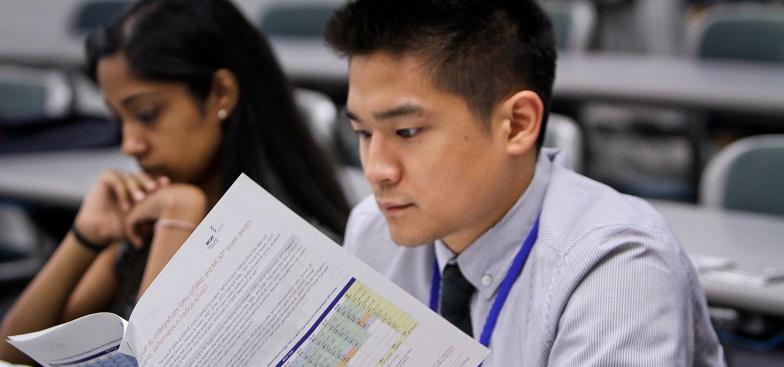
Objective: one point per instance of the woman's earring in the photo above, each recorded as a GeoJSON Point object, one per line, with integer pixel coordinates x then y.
{"type": "Point", "coordinates": [222, 114]}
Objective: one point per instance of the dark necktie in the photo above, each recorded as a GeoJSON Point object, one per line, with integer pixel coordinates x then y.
{"type": "Point", "coordinates": [456, 294]}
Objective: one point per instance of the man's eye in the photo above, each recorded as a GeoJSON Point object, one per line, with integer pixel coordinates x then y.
{"type": "Point", "coordinates": [408, 132]}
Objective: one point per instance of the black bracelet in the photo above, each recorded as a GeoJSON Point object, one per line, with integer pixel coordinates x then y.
{"type": "Point", "coordinates": [90, 245]}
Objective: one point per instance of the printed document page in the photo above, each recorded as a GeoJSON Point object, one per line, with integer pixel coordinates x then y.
{"type": "Point", "coordinates": [92, 340]}
{"type": "Point", "coordinates": [256, 285]}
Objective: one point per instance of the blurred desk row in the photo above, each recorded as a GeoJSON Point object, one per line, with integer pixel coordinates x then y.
{"type": "Point", "coordinates": [58, 178]}
{"type": "Point", "coordinates": [739, 254]}
{"type": "Point", "coordinates": [749, 88]}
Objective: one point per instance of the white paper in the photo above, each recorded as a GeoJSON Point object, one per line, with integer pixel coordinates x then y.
{"type": "Point", "coordinates": [92, 340]}
{"type": "Point", "coordinates": [255, 285]}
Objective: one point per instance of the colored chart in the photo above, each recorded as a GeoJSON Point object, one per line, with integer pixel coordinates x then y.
{"type": "Point", "coordinates": [363, 329]}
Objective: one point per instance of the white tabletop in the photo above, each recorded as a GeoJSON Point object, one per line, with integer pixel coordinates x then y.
{"type": "Point", "coordinates": [310, 60]}
{"type": "Point", "coordinates": [753, 88]}
{"type": "Point", "coordinates": [729, 244]}
{"type": "Point", "coordinates": [57, 178]}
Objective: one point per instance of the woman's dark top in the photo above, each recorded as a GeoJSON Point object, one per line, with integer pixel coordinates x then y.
{"type": "Point", "coordinates": [129, 266]}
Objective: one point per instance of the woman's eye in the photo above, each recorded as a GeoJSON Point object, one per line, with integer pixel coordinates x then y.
{"type": "Point", "coordinates": [408, 132]}
{"type": "Point", "coordinates": [147, 117]}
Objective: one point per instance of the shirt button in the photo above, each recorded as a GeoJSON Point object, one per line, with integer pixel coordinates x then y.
{"type": "Point", "coordinates": [486, 280]}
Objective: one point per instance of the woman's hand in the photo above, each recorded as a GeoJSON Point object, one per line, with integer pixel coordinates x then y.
{"type": "Point", "coordinates": [100, 217]}
{"type": "Point", "coordinates": [179, 202]}
{"type": "Point", "coordinates": [172, 212]}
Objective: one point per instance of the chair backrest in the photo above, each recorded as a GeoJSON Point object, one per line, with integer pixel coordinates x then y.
{"type": "Point", "coordinates": [320, 114]}
{"type": "Point", "coordinates": [746, 31]}
{"type": "Point", "coordinates": [95, 13]}
{"type": "Point", "coordinates": [298, 20]}
{"type": "Point", "coordinates": [39, 111]}
{"type": "Point", "coordinates": [21, 245]}
{"type": "Point", "coordinates": [563, 132]}
{"type": "Point", "coordinates": [747, 175]}
{"type": "Point", "coordinates": [574, 23]}
{"type": "Point", "coordinates": [29, 93]}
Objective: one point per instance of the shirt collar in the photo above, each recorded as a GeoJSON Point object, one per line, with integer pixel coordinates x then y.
{"type": "Point", "coordinates": [485, 262]}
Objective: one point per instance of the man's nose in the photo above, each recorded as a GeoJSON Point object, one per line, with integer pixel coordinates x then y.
{"type": "Point", "coordinates": [382, 168]}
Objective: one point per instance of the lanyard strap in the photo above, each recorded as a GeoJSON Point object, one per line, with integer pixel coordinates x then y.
{"type": "Point", "coordinates": [503, 292]}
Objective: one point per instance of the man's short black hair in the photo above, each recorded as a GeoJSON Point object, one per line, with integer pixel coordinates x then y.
{"type": "Point", "coordinates": [482, 50]}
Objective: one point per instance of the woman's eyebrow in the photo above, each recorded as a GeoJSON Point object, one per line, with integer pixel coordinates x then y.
{"type": "Point", "coordinates": [134, 98]}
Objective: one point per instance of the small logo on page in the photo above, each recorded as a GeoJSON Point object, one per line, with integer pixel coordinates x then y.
{"type": "Point", "coordinates": [211, 242]}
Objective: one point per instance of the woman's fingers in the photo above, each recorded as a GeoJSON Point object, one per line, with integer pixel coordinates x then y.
{"type": "Point", "coordinates": [129, 192]}
{"type": "Point", "coordinates": [130, 188]}
{"type": "Point", "coordinates": [164, 181]}
{"type": "Point", "coordinates": [148, 183]}
{"type": "Point", "coordinates": [116, 183]}
{"type": "Point", "coordinates": [135, 186]}
{"type": "Point", "coordinates": [140, 220]}
{"type": "Point", "coordinates": [133, 228]}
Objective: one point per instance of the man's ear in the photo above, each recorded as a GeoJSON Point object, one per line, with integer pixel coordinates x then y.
{"type": "Point", "coordinates": [522, 114]}
{"type": "Point", "coordinates": [224, 94]}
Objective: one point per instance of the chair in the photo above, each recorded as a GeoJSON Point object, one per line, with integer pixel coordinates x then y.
{"type": "Point", "coordinates": [747, 175]}
{"type": "Point", "coordinates": [562, 132]}
{"type": "Point", "coordinates": [647, 151]}
{"type": "Point", "coordinates": [29, 93]}
{"type": "Point", "coordinates": [320, 114]}
{"type": "Point", "coordinates": [21, 245]}
{"type": "Point", "coordinates": [745, 31]}
{"type": "Point", "coordinates": [296, 20]}
{"type": "Point", "coordinates": [92, 14]}
{"type": "Point", "coordinates": [574, 23]}
{"type": "Point", "coordinates": [37, 113]}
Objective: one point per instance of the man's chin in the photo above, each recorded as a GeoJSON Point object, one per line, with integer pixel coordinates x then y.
{"type": "Point", "coordinates": [410, 239]}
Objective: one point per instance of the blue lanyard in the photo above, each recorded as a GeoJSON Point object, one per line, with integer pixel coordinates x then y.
{"type": "Point", "coordinates": [503, 292]}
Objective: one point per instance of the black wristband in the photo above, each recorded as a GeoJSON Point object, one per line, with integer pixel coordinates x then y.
{"type": "Point", "coordinates": [90, 245]}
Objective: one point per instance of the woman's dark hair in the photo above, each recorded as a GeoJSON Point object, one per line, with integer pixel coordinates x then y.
{"type": "Point", "coordinates": [187, 41]}
{"type": "Point", "coordinates": [482, 50]}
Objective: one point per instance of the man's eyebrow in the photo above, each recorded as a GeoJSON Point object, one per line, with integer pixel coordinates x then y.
{"type": "Point", "coordinates": [402, 110]}
{"type": "Point", "coordinates": [399, 111]}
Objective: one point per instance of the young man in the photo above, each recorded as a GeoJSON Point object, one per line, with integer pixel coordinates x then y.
{"type": "Point", "coordinates": [450, 99]}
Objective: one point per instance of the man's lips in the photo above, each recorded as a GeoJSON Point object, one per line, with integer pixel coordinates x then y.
{"type": "Point", "coordinates": [393, 207]}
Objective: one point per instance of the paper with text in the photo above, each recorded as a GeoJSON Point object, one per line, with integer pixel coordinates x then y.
{"type": "Point", "coordinates": [92, 340]}
{"type": "Point", "coordinates": [256, 285]}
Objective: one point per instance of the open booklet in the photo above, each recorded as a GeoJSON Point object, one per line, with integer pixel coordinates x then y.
{"type": "Point", "coordinates": [256, 285]}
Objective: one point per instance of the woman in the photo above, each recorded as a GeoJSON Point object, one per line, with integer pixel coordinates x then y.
{"type": "Point", "coordinates": [201, 99]}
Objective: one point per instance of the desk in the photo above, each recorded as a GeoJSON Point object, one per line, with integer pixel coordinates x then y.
{"type": "Point", "coordinates": [59, 178]}
{"type": "Point", "coordinates": [63, 178]}
{"type": "Point", "coordinates": [721, 86]}
{"type": "Point", "coordinates": [304, 59]}
{"type": "Point", "coordinates": [751, 241]}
